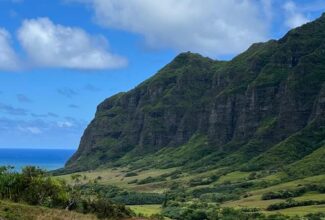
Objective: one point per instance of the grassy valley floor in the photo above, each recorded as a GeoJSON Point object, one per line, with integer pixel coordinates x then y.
{"type": "Point", "coordinates": [250, 197]}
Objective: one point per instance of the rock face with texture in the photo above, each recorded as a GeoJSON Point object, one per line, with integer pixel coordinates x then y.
{"type": "Point", "coordinates": [249, 108]}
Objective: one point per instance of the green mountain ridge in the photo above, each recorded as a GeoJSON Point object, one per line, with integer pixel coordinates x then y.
{"type": "Point", "coordinates": [265, 109]}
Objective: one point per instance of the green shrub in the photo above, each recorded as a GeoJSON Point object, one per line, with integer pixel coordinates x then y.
{"type": "Point", "coordinates": [34, 187]}
{"type": "Point", "coordinates": [130, 174]}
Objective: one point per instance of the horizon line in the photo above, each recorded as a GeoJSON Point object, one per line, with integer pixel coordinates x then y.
{"type": "Point", "coordinates": [36, 148]}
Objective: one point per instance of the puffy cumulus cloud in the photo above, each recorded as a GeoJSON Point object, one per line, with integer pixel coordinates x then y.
{"type": "Point", "coordinates": [52, 45]}
{"type": "Point", "coordinates": [209, 27]}
{"type": "Point", "coordinates": [8, 57]}
{"type": "Point", "coordinates": [294, 18]}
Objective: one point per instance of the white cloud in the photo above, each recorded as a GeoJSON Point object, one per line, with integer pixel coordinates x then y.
{"type": "Point", "coordinates": [293, 17]}
{"type": "Point", "coordinates": [15, 132]}
{"type": "Point", "coordinates": [8, 57]}
{"type": "Point", "coordinates": [65, 124]}
{"type": "Point", "coordinates": [210, 27]}
{"type": "Point", "coordinates": [32, 130]}
{"type": "Point", "coordinates": [267, 6]}
{"type": "Point", "coordinates": [51, 45]}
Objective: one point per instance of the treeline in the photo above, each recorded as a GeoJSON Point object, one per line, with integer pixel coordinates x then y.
{"type": "Point", "coordinates": [293, 203]}
{"type": "Point", "coordinates": [35, 187]}
{"type": "Point", "coordinates": [208, 211]}
{"type": "Point", "coordinates": [285, 194]}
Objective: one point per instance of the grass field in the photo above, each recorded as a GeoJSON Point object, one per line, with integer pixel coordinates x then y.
{"type": "Point", "coordinates": [255, 201]}
{"type": "Point", "coordinates": [117, 177]}
{"type": "Point", "coordinates": [300, 211]}
{"type": "Point", "coordinates": [145, 210]}
{"type": "Point", "coordinates": [14, 211]}
{"type": "Point", "coordinates": [233, 177]}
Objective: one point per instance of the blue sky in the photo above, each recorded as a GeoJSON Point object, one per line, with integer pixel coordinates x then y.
{"type": "Point", "coordinates": [60, 59]}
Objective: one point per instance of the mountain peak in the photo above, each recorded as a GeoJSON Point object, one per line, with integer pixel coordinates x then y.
{"type": "Point", "coordinates": [188, 58]}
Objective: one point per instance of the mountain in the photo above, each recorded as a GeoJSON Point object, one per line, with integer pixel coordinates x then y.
{"type": "Point", "coordinates": [265, 109]}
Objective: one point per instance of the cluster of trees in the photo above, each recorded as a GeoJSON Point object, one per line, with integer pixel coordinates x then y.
{"type": "Point", "coordinates": [292, 203]}
{"type": "Point", "coordinates": [285, 194]}
{"type": "Point", "coordinates": [230, 188]}
{"type": "Point", "coordinates": [200, 210]}
{"type": "Point", "coordinates": [219, 197]}
{"type": "Point", "coordinates": [208, 211]}
{"type": "Point", "coordinates": [203, 181]}
{"type": "Point", "coordinates": [121, 196]}
{"type": "Point", "coordinates": [32, 186]}
{"type": "Point", "coordinates": [151, 179]}
{"type": "Point", "coordinates": [35, 187]}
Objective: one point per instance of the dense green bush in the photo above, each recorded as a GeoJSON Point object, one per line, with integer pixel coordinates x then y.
{"type": "Point", "coordinates": [103, 208]}
{"type": "Point", "coordinates": [130, 174]}
{"type": "Point", "coordinates": [219, 197]}
{"type": "Point", "coordinates": [224, 188]}
{"type": "Point", "coordinates": [203, 181]}
{"type": "Point", "coordinates": [292, 203]}
{"type": "Point", "coordinates": [151, 179]}
{"type": "Point", "coordinates": [33, 187]}
{"type": "Point", "coordinates": [285, 194]}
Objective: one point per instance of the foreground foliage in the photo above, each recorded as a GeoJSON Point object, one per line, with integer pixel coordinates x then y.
{"type": "Point", "coordinates": [34, 187]}
{"type": "Point", "coordinates": [18, 211]}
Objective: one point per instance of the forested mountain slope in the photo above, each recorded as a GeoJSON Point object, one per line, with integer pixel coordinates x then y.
{"type": "Point", "coordinates": [265, 109]}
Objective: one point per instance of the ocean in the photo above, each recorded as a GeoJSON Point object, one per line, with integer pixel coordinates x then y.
{"type": "Point", "coordinates": [48, 159]}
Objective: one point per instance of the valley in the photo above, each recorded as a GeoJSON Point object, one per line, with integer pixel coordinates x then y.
{"type": "Point", "coordinates": [249, 197]}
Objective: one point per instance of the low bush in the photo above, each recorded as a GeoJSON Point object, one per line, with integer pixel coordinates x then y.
{"type": "Point", "coordinates": [130, 174]}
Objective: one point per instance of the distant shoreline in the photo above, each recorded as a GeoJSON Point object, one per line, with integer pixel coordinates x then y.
{"type": "Point", "coordinates": [31, 148]}
{"type": "Point", "coordinates": [45, 158]}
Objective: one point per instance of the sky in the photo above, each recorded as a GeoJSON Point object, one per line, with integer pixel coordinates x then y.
{"type": "Point", "coordinates": [60, 59]}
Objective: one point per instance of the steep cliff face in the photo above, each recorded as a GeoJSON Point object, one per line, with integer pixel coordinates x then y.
{"type": "Point", "coordinates": [267, 100]}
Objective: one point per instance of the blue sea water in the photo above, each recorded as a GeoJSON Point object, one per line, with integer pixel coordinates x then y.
{"type": "Point", "coordinates": [49, 159]}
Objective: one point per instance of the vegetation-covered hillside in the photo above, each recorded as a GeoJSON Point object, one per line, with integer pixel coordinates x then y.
{"type": "Point", "coordinates": [205, 139]}
{"type": "Point", "coordinates": [262, 110]}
